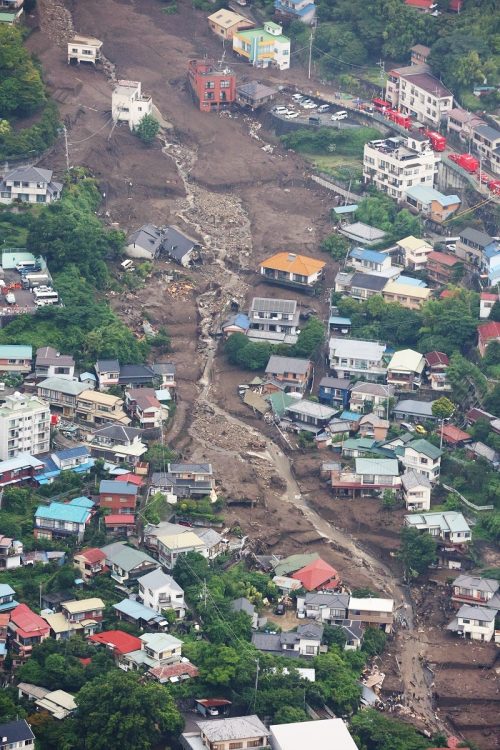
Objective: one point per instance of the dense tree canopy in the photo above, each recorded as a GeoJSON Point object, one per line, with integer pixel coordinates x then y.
{"type": "Point", "coordinates": [417, 551]}
{"type": "Point", "coordinates": [372, 730]}
{"type": "Point", "coordinates": [21, 87]}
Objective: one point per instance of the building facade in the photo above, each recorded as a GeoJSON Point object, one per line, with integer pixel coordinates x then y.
{"type": "Point", "coordinates": [263, 47]}
{"type": "Point", "coordinates": [213, 86]}
{"type": "Point", "coordinates": [24, 426]}
{"type": "Point", "coordinates": [128, 104]}
{"type": "Point", "coordinates": [29, 185]}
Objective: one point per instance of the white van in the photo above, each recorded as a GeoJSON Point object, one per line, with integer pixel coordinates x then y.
{"type": "Point", "coordinates": [340, 115]}
{"type": "Point", "coordinates": [127, 264]}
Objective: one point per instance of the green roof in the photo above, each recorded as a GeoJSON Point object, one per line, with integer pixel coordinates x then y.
{"type": "Point", "coordinates": [294, 562]}
{"type": "Point", "coordinates": [265, 36]}
{"type": "Point", "coordinates": [7, 17]}
{"type": "Point", "coordinates": [380, 466]}
{"type": "Point", "coordinates": [280, 401]}
{"type": "Point", "coordinates": [423, 446]}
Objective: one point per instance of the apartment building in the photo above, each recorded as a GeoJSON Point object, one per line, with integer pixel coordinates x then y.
{"type": "Point", "coordinates": [82, 48]}
{"type": "Point", "coordinates": [100, 408]}
{"type": "Point", "coordinates": [16, 358]}
{"type": "Point", "coordinates": [24, 426]}
{"type": "Point", "coordinates": [354, 358]}
{"type": "Point", "coordinates": [486, 141]}
{"type": "Point", "coordinates": [128, 104]}
{"type": "Point", "coordinates": [212, 85]}
{"type": "Point", "coordinates": [274, 320]}
{"type": "Point", "coordinates": [263, 47]}
{"type": "Point", "coordinates": [29, 185]}
{"type": "Point", "coordinates": [416, 92]}
{"type": "Point", "coordinates": [395, 164]}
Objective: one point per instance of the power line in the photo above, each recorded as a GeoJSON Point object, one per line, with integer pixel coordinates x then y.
{"type": "Point", "coordinates": [74, 143]}
{"type": "Point", "coordinates": [338, 59]}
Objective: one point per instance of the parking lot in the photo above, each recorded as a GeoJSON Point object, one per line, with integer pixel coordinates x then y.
{"type": "Point", "coordinates": [312, 111]}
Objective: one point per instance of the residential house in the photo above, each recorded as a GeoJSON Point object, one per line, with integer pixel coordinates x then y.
{"type": "Point", "coordinates": [83, 609]}
{"type": "Point", "coordinates": [81, 618]}
{"type": "Point", "coordinates": [371, 397]}
{"type": "Point", "coordinates": [305, 641]}
{"type": "Point", "coordinates": [23, 469]}
{"type": "Point", "coordinates": [454, 436]}
{"type": "Point", "coordinates": [236, 323]}
{"type": "Point", "coordinates": [362, 234]}
{"type": "Point", "coordinates": [60, 521]}
{"type": "Point", "coordinates": [212, 84]}
{"type": "Point", "coordinates": [128, 104]}
{"type": "Point", "coordinates": [137, 614]}
{"type": "Point", "coordinates": [165, 373]}
{"type": "Point", "coordinates": [160, 592]}
{"type": "Point", "coordinates": [405, 369]}
{"type": "Point", "coordinates": [310, 415]}
{"type": "Point", "coordinates": [408, 295]}
{"type": "Point", "coordinates": [127, 563]}
{"type": "Point", "coordinates": [144, 243]}
{"type": "Point", "coordinates": [473, 245]}
{"type": "Point", "coordinates": [437, 364]}
{"type": "Point", "coordinates": [373, 426]}
{"type": "Point", "coordinates": [419, 54]}
{"type": "Point", "coordinates": [290, 269]}
{"type": "Point", "coordinates": [338, 324]}
{"type": "Point", "coordinates": [50, 363]}
{"type": "Point", "coordinates": [431, 204]}
{"type": "Point", "coordinates": [414, 251]}
{"type": "Point", "coordinates": [334, 391]}
{"type": "Point", "coordinates": [424, 457]}
{"type": "Point", "coordinates": [448, 527]}
{"type": "Point", "coordinates": [54, 600]}
{"type": "Point", "coordinates": [292, 563]}
{"type": "Point", "coordinates": [354, 358]}
{"type": "Point", "coordinates": [476, 623]}
{"type": "Point", "coordinates": [328, 606]}
{"type": "Point", "coordinates": [24, 426]}
{"type": "Point", "coordinates": [441, 267]}
{"type": "Point", "coordinates": [108, 373]}
{"type": "Point", "coordinates": [486, 302]}
{"type": "Point", "coordinates": [370, 477]}
{"type": "Point", "coordinates": [372, 612]}
{"type": "Point", "coordinates": [223, 734]}
{"type": "Point", "coordinates": [480, 450]}
{"type": "Point", "coordinates": [90, 562]}
{"type": "Point", "coordinates": [469, 589]}
{"type": "Point", "coordinates": [118, 497]}
{"type": "Point", "coordinates": [410, 410]}
{"type": "Point", "coordinates": [192, 480]}
{"type": "Point", "coordinates": [58, 703]}
{"type": "Point", "coordinates": [61, 394]}
{"type": "Point", "coordinates": [416, 490]}
{"type": "Point", "coordinates": [295, 10]}
{"type": "Point", "coordinates": [29, 185]}
{"type": "Point", "coordinates": [415, 92]}
{"type": "Point", "coordinates": [142, 404]}
{"type": "Point", "coordinates": [176, 244]}
{"type": "Point", "coordinates": [100, 408]}
{"type": "Point", "coordinates": [7, 601]}
{"type": "Point", "coordinates": [83, 48]}
{"type": "Point", "coordinates": [10, 552]}
{"type": "Point", "coordinates": [320, 735]}
{"type": "Point", "coordinates": [461, 123]}
{"type": "Point", "coordinates": [263, 47]}
{"type": "Point", "coordinates": [212, 541]}
{"type": "Point", "coordinates": [243, 605]}
{"type": "Point", "coordinates": [396, 164]}
{"type": "Point", "coordinates": [369, 261]}
{"type": "Point", "coordinates": [362, 286]}
{"type": "Point", "coordinates": [225, 22]}
{"type": "Point", "coordinates": [16, 734]}
{"type": "Point", "coordinates": [123, 524]}
{"type": "Point", "coordinates": [170, 546]}
{"type": "Point", "coordinates": [16, 358]}
{"type": "Point", "coordinates": [254, 94]}
{"type": "Point", "coordinates": [157, 649]}
{"type": "Point", "coordinates": [318, 575]}
{"type": "Point", "coordinates": [486, 141]}
{"type": "Point", "coordinates": [273, 320]}
{"type": "Point", "coordinates": [487, 332]}
{"type": "Point", "coordinates": [118, 444]}
{"type": "Point", "coordinates": [292, 373]}
{"type": "Point", "coordinates": [116, 641]}
{"type": "Point", "coordinates": [26, 629]}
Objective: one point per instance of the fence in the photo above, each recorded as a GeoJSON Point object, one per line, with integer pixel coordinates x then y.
{"type": "Point", "coordinates": [330, 185]}
{"type": "Point", "coordinates": [468, 503]}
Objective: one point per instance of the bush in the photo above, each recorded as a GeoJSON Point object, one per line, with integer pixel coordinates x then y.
{"type": "Point", "coordinates": [147, 130]}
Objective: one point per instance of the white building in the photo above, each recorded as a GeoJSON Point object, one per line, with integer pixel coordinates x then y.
{"type": "Point", "coordinates": [415, 92]}
{"type": "Point", "coordinates": [415, 252]}
{"type": "Point", "coordinates": [372, 612]}
{"type": "Point", "coordinates": [263, 47]}
{"type": "Point", "coordinates": [405, 369]}
{"type": "Point", "coordinates": [160, 592]}
{"type": "Point", "coordinates": [128, 104]}
{"type": "Point", "coordinates": [486, 302]}
{"type": "Point", "coordinates": [50, 363]}
{"type": "Point", "coordinates": [24, 426]}
{"type": "Point", "coordinates": [326, 734]}
{"type": "Point", "coordinates": [274, 320]}
{"type": "Point", "coordinates": [84, 49]}
{"type": "Point", "coordinates": [449, 527]}
{"type": "Point", "coordinates": [395, 164]}
{"type": "Point", "coordinates": [29, 185]}
{"type": "Point", "coordinates": [476, 623]}
{"type": "Point", "coordinates": [416, 490]}
{"type": "Point", "coordinates": [355, 358]}
{"type": "Point", "coordinates": [424, 457]}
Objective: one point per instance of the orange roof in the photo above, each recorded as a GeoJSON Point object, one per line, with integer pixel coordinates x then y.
{"type": "Point", "coordinates": [292, 263]}
{"type": "Point", "coordinates": [317, 574]}
{"type": "Point", "coordinates": [489, 297]}
{"type": "Point", "coordinates": [452, 434]}
{"type": "Point", "coordinates": [489, 331]}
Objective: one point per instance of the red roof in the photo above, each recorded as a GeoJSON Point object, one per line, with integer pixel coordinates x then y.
{"type": "Point", "coordinates": [435, 359]}
{"type": "Point", "coordinates": [448, 294]}
{"type": "Point", "coordinates": [211, 702]}
{"type": "Point", "coordinates": [423, 4]}
{"type": "Point", "coordinates": [489, 331]}
{"type": "Point", "coordinates": [455, 5]}
{"type": "Point", "coordinates": [120, 519]}
{"type": "Point", "coordinates": [452, 434]}
{"type": "Point", "coordinates": [442, 259]}
{"type": "Point", "coordinates": [473, 415]}
{"type": "Point", "coordinates": [85, 661]}
{"type": "Point", "coordinates": [131, 479]}
{"type": "Point", "coordinates": [92, 555]}
{"type": "Point", "coordinates": [316, 574]}
{"type": "Point", "coordinates": [169, 671]}
{"type": "Point", "coordinates": [28, 623]}
{"type": "Point", "coordinates": [489, 296]}
{"type": "Point", "coordinates": [119, 641]}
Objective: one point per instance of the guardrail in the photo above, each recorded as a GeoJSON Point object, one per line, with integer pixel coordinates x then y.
{"type": "Point", "coordinates": [468, 503]}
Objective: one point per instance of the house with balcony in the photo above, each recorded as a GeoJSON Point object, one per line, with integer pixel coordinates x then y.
{"type": "Point", "coordinates": [371, 397]}
{"type": "Point", "coordinates": [405, 369]}
{"type": "Point", "coordinates": [416, 490]}
{"type": "Point", "coordinates": [90, 562]}
{"type": "Point", "coordinates": [469, 589]}
{"type": "Point", "coordinates": [448, 527]}
{"type": "Point", "coordinates": [157, 649]}
{"type": "Point", "coordinates": [49, 363]}
{"type": "Point", "coordinates": [192, 480]}
{"type": "Point", "coordinates": [24, 426]}
{"type": "Point", "coordinates": [243, 732]}
{"type": "Point", "coordinates": [273, 320]}
{"type": "Point", "coordinates": [292, 270]}
{"type": "Point", "coordinates": [98, 408]}
{"type": "Point", "coordinates": [83, 609]}
{"type": "Point", "coordinates": [415, 252]}
{"type": "Point", "coordinates": [78, 617]}
{"type": "Point", "coordinates": [406, 293]}
{"type": "Point", "coordinates": [127, 563]}
{"type": "Point", "coordinates": [142, 405]}
{"type": "Point", "coordinates": [354, 358]}
{"type": "Point", "coordinates": [291, 374]}
{"type": "Point", "coordinates": [83, 48]}
{"type": "Point", "coordinates": [16, 358]}
{"type": "Point", "coordinates": [334, 392]}
{"type": "Point", "coordinates": [295, 10]}
{"type": "Point", "coordinates": [117, 443]}
{"type": "Point", "coordinates": [10, 552]}
{"type": "Point", "coordinates": [61, 393]}
{"type": "Point", "coordinates": [29, 185]}
{"type": "Point", "coordinates": [369, 261]}
{"type": "Point", "coordinates": [303, 642]}
{"type": "Point", "coordinates": [441, 266]}
{"type": "Point", "coordinates": [26, 629]}
{"type": "Point", "coordinates": [422, 456]}
{"type": "Point", "coordinates": [328, 606]}
{"type": "Point", "coordinates": [310, 415]}
{"type": "Point", "coordinates": [22, 470]}
{"type": "Point", "coordinates": [129, 104]}
{"type": "Point", "coordinates": [432, 204]}
{"type": "Point", "coordinates": [60, 521]}
{"type": "Point", "coordinates": [475, 623]}
{"type": "Point", "coordinates": [7, 601]}
{"type": "Point", "coordinates": [474, 246]}
{"type": "Point", "coordinates": [160, 592]}
{"type": "Point", "coordinates": [372, 612]}
{"type": "Point", "coordinates": [370, 478]}
{"type": "Point", "coordinates": [486, 141]}
{"type": "Point", "coordinates": [264, 47]}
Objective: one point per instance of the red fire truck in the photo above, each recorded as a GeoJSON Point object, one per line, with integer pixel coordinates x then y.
{"type": "Point", "coordinates": [438, 141]}
{"type": "Point", "coordinates": [381, 105]}
{"type": "Point", "coordinates": [399, 118]}
{"type": "Point", "coordinates": [466, 161]}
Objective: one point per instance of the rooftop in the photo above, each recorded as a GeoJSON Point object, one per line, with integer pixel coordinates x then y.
{"type": "Point", "coordinates": [488, 585]}
{"type": "Point", "coordinates": [423, 446]}
{"type": "Point", "coordinates": [372, 256]}
{"type": "Point", "coordinates": [476, 613]}
{"type": "Point", "coordinates": [61, 385]}
{"type": "Point", "coordinates": [377, 466]}
{"type": "Point", "coordinates": [281, 365]}
{"type": "Point", "coordinates": [488, 331]}
{"type": "Point", "coordinates": [227, 18]}
{"type": "Point", "coordinates": [369, 604]}
{"type": "Point", "coordinates": [160, 641]}
{"type": "Point", "coordinates": [83, 605]}
{"type": "Point", "coordinates": [16, 733]}
{"type": "Point", "coordinates": [419, 408]}
{"type": "Point", "coordinates": [426, 194]}
{"type": "Point", "coordinates": [421, 293]}
{"type": "Point", "coordinates": [447, 521]}
{"type": "Point", "coordinates": [63, 512]}
{"type": "Point", "coordinates": [266, 305]}
{"type": "Point", "coordinates": [370, 350]}
{"type": "Point", "coordinates": [325, 734]}
{"type": "Point", "coordinates": [407, 359]}
{"type": "Point", "coordinates": [435, 359]}
{"type": "Point", "coordinates": [313, 409]}
{"type": "Point", "coordinates": [428, 83]}
{"type": "Point", "coordinates": [240, 728]}
{"type": "Point", "coordinates": [476, 236]}
{"type": "Point", "coordinates": [157, 579]}
{"type": "Point", "coordinates": [413, 479]}
{"type": "Point", "coordinates": [125, 557]}
{"type": "Point", "coordinates": [117, 640]}
{"type": "Point", "coordinates": [137, 611]}
{"type": "Point", "coordinates": [361, 231]}
{"type": "Point", "coordinates": [292, 263]}
{"type": "Point", "coordinates": [368, 281]}
{"type": "Point", "coordinates": [115, 487]}
{"type": "Point", "coordinates": [316, 574]}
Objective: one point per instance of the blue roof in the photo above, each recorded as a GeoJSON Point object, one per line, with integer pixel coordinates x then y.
{"type": "Point", "coordinates": [350, 416]}
{"type": "Point", "coordinates": [338, 321]}
{"type": "Point", "coordinates": [361, 253]}
{"type": "Point", "coordinates": [6, 606]}
{"type": "Point", "coordinates": [410, 281]}
{"type": "Point", "coordinates": [88, 376]}
{"type": "Point", "coordinates": [50, 466]}
{"type": "Point", "coordinates": [115, 487]}
{"type": "Point", "coordinates": [293, 9]}
{"type": "Point", "coordinates": [82, 502]}
{"type": "Point", "coordinates": [63, 512]}
{"type": "Point", "coordinates": [136, 610]}
{"type": "Point", "coordinates": [425, 193]}
{"type": "Point", "coordinates": [16, 351]}
{"type": "Point", "coordinates": [242, 320]}
{"type": "Point", "coordinates": [6, 590]}
{"type": "Point", "coordinates": [77, 452]}
{"type": "Point", "coordinates": [346, 209]}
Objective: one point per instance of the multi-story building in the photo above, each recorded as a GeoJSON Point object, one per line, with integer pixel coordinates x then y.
{"type": "Point", "coordinates": [274, 320]}
{"type": "Point", "coordinates": [476, 623]}
{"type": "Point", "coordinates": [473, 247]}
{"type": "Point", "coordinates": [117, 443]}
{"type": "Point", "coordinates": [160, 592]}
{"type": "Point", "coordinates": [486, 141]}
{"type": "Point", "coordinates": [395, 164]}
{"type": "Point", "coordinates": [290, 269]}
{"type": "Point", "coordinates": [82, 48]}
{"type": "Point", "coordinates": [405, 369]}
{"type": "Point", "coordinates": [371, 476]}
{"type": "Point", "coordinates": [264, 47]}
{"type": "Point", "coordinates": [462, 123]}
{"type": "Point", "coordinates": [50, 363]}
{"type": "Point", "coordinates": [448, 527]}
{"type": "Point", "coordinates": [26, 629]}
{"type": "Point", "coordinates": [83, 609]}
{"type": "Point", "coordinates": [90, 562]}
{"type": "Point", "coordinates": [117, 497]}
{"type": "Point", "coordinates": [24, 426]}
{"type": "Point", "coordinates": [353, 358]}
{"type": "Point", "coordinates": [61, 520]}
{"type": "Point", "coordinates": [193, 480]}
{"type": "Point", "coordinates": [142, 404]}
{"type": "Point", "coordinates": [414, 251]}
{"type": "Point", "coordinates": [372, 612]}
{"type": "Point", "coordinates": [469, 589]}
{"type": "Point", "coordinates": [61, 393]}
{"type": "Point", "coordinates": [292, 373]}
{"type": "Point", "coordinates": [16, 358]}
{"type": "Point", "coordinates": [128, 104]}
{"type": "Point", "coordinates": [369, 261]}
{"type": "Point", "coordinates": [415, 92]}
{"type": "Point", "coordinates": [225, 22]}
{"type": "Point", "coordinates": [295, 10]}
{"type": "Point", "coordinates": [213, 86]}
{"type": "Point", "coordinates": [127, 563]}
{"type": "Point", "coordinates": [440, 267]}
{"type": "Point", "coordinates": [424, 457]}
{"type": "Point", "coordinates": [432, 204]}
{"type": "Point", "coordinates": [29, 185]}
{"type": "Point", "coordinates": [100, 408]}
{"type": "Point", "coordinates": [16, 734]}
{"type": "Point", "coordinates": [416, 490]}
{"type": "Point", "coordinates": [334, 391]}
{"type": "Point", "coordinates": [371, 397]}
{"type": "Point", "coordinates": [224, 734]}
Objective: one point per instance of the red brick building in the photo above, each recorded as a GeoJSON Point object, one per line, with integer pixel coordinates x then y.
{"type": "Point", "coordinates": [213, 87]}
{"type": "Point", "coordinates": [117, 497]}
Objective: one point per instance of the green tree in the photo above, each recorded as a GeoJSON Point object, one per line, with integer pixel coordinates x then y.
{"type": "Point", "coordinates": [9, 711]}
{"type": "Point", "coordinates": [375, 731]}
{"type": "Point", "coordinates": [148, 128]}
{"type": "Point", "coordinates": [158, 456]}
{"type": "Point", "coordinates": [374, 641]}
{"type": "Point", "coordinates": [310, 339]}
{"type": "Point", "coordinates": [290, 715]}
{"type": "Point", "coordinates": [443, 408]}
{"type": "Point", "coordinates": [417, 551]}
{"type": "Point", "coordinates": [336, 246]}
{"type": "Point", "coordinates": [495, 312]}
{"type": "Point", "coordinates": [118, 711]}
{"type": "Point", "coordinates": [389, 499]}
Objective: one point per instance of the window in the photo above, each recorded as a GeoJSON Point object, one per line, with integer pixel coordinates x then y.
{"type": "Point", "coordinates": [225, 84]}
{"type": "Point", "coordinates": [209, 85]}
{"type": "Point", "coordinates": [235, 745]}
{"type": "Point", "coordinates": [310, 650]}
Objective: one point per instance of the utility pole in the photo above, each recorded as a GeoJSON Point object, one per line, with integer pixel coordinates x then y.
{"type": "Point", "coordinates": [313, 27]}
{"type": "Point", "coordinates": [256, 683]}
{"type": "Point", "coordinates": [381, 75]}
{"type": "Point", "coordinates": [65, 131]}
{"type": "Point", "coordinates": [204, 592]}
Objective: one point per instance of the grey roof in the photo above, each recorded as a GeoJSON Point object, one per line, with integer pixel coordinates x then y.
{"type": "Point", "coordinates": [14, 732]}
{"type": "Point", "coordinates": [489, 585]}
{"type": "Point", "coordinates": [420, 408]}
{"type": "Point", "coordinates": [239, 728]}
{"type": "Point", "coordinates": [191, 468]}
{"type": "Point", "coordinates": [163, 368]}
{"type": "Point", "coordinates": [311, 630]}
{"type": "Point", "coordinates": [263, 304]}
{"type": "Point", "coordinates": [256, 90]}
{"type": "Point", "coordinates": [135, 372]}
{"type": "Point", "coordinates": [352, 628]}
{"type": "Point", "coordinates": [148, 237]}
{"type": "Point", "coordinates": [312, 409]}
{"type": "Point", "coordinates": [281, 365]}
{"type": "Point", "coordinates": [367, 281]}
{"type": "Point", "coordinates": [364, 231]}
{"type": "Point", "coordinates": [127, 558]}
{"type": "Point", "coordinates": [115, 487]}
{"type": "Point", "coordinates": [428, 83]}
{"type": "Point", "coordinates": [157, 579]}
{"type": "Point", "coordinates": [69, 387]}
{"type": "Point", "coordinates": [476, 236]}
{"type": "Point", "coordinates": [341, 383]}
{"type": "Point", "coordinates": [267, 641]}
{"type": "Point", "coordinates": [47, 355]}
{"type": "Point", "coordinates": [107, 365]}
{"type": "Point", "coordinates": [118, 432]}
{"type": "Point", "coordinates": [30, 174]}
{"type": "Point", "coordinates": [492, 134]}
{"type": "Point", "coordinates": [177, 244]}
{"type": "Point", "coordinates": [373, 389]}
{"type": "Point", "coordinates": [243, 605]}
{"type": "Point", "coordinates": [413, 479]}
{"type": "Point", "coordinates": [476, 613]}
{"type": "Point", "coordinates": [327, 599]}
{"type": "Point", "coordinates": [480, 449]}
{"type": "Point", "coordinates": [209, 536]}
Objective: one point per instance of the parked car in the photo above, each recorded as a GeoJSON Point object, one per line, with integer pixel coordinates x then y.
{"type": "Point", "coordinates": [280, 609]}
{"type": "Point", "coordinates": [420, 429]}
{"type": "Point", "coordinates": [297, 97]}
{"type": "Point", "coordinates": [407, 426]}
{"type": "Point", "coordinates": [323, 108]}
{"type": "Point", "coordinates": [315, 120]}
{"type": "Point", "coordinates": [340, 115]}
{"type": "Point", "coordinates": [279, 110]}
{"type": "Point", "coordinates": [310, 105]}
{"type": "Point", "coordinates": [292, 115]}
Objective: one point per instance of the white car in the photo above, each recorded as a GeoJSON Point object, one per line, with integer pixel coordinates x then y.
{"type": "Point", "coordinates": [292, 115]}
{"type": "Point", "coordinates": [323, 108]}
{"type": "Point", "coordinates": [341, 115]}
{"type": "Point", "coordinates": [310, 105]}
{"type": "Point", "coordinates": [297, 97]}
{"type": "Point", "coordinates": [280, 110]}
